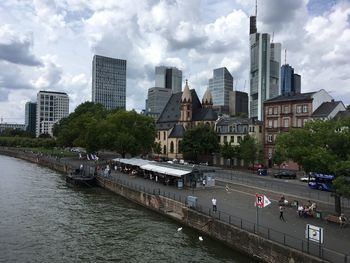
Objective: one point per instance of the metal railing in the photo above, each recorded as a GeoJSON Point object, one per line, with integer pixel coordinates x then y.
{"type": "Point", "coordinates": [304, 246]}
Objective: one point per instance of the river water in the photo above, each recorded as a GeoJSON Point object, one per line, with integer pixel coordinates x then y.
{"type": "Point", "coordinates": [44, 220]}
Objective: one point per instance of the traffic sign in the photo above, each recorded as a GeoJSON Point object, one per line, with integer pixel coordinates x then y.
{"type": "Point", "coordinates": [261, 200]}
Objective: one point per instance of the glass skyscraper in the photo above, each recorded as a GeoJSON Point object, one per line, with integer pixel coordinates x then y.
{"type": "Point", "coordinates": [265, 60]}
{"type": "Point", "coordinates": [109, 82]}
{"type": "Point", "coordinates": [168, 78]}
{"type": "Point", "coordinates": [30, 117]}
{"type": "Point", "coordinates": [290, 82]}
{"type": "Point", "coordinates": [220, 86]}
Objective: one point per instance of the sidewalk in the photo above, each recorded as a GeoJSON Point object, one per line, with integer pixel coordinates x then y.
{"type": "Point", "coordinates": [240, 203]}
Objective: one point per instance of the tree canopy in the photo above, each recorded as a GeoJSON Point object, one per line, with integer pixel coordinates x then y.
{"type": "Point", "coordinates": [199, 142]}
{"type": "Point", "coordinates": [321, 146]}
{"type": "Point", "coordinates": [93, 127]}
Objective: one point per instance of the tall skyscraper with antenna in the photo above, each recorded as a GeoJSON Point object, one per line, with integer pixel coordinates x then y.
{"type": "Point", "coordinates": [264, 74]}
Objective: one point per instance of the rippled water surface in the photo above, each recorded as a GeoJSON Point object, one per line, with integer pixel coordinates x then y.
{"type": "Point", "coordinates": [44, 220]}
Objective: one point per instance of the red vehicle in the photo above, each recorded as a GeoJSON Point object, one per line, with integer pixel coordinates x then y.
{"type": "Point", "coordinates": [256, 167]}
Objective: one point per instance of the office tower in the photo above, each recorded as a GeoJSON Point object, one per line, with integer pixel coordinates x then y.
{"type": "Point", "coordinates": [238, 103]}
{"type": "Point", "coordinates": [297, 83]}
{"type": "Point", "coordinates": [265, 60]}
{"type": "Point", "coordinates": [290, 82]}
{"type": "Point", "coordinates": [109, 82]}
{"type": "Point", "coordinates": [168, 78]}
{"type": "Point", "coordinates": [51, 107]}
{"type": "Point", "coordinates": [220, 86]}
{"type": "Point", "coordinates": [30, 117]}
{"type": "Point", "coordinates": [157, 98]}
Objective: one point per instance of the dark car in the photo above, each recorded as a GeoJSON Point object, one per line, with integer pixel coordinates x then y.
{"type": "Point", "coordinates": [285, 174]}
{"type": "Point", "coordinates": [261, 171]}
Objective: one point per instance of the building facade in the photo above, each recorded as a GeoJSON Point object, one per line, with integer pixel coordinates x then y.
{"type": "Point", "coordinates": [290, 82]}
{"type": "Point", "coordinates": [51, 107]}
{"type": "Point", "coordinates": [238, 103]}
{"type": "Point", "coordinates": [30, 116]}
{"type": "Point", "coordinates": [157, 98]}
{"type": "Point", "coordinates": [285, 112]}
{"type": "Point", "coordinates": [109, 82]}
{"type": "Point", "coordinates": [232, 130]}
{"type": "Point", "coordinates": [220, 87]}
{"type": "Point", "coordinates": [12, 126]}
{"type": "Point", "coordinates": [265, 61]}
{"type": "Point", "coordinates": [183, 111]}
{"type": "Point", "coordinates": [168, 78]}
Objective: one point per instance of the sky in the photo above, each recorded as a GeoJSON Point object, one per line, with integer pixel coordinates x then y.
{"type": "Point", "coordinates": [49, 44]}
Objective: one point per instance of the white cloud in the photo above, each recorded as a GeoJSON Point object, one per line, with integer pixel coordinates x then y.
{"type": "Point", "coordinates": [195, 36]}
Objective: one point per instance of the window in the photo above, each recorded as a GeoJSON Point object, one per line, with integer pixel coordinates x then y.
{"type": "Point", "coordinates": [286, 122]}
{"type": "Point", "coordinates": [164, 135]}
{"type": "Point", "coordinates": [275, 110]}
{"type": "Point", "coordinates": [304, 121]}
{"type": "Point", "coordinates": [232, 140]}
{"type": "Point", "coordinates": [286, 109]}
{"type": "Point", "coordinates": [275, 124]}
{"type": "Point", "coordinates": [179, 149]}
{"type": "Point", "coordinates": [164, 149]}
{"type": "Point", "coordinates": [270, 110]}
{"type": "Point", "coordinates": [171, 147]}
{"type": "Point", "coordinates": [239, 139]}
{"type": "Point", "coordinates": [225, 139]}
{"type": "Point", "coordinates": [299, 109]}
{"type": "Point", "coordinates": [305, 108]}
{"type": "Point", "coordinates": [270, 124]}
{"type": "Point", "coordinates": [300, 123]}
{"type": "Point", "coordinates": [260, 129]}
{"type": "Point", "coordinates": [269, 138]}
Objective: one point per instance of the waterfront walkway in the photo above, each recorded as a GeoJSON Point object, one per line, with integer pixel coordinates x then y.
{"type": "Point", "coordinates": [236, 202]}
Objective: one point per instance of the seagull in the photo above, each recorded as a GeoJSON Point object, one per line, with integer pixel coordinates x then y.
{"type": "Point", "coordinates": [179, 229]}
{"type": "Point", "coordinates": [200, 238]}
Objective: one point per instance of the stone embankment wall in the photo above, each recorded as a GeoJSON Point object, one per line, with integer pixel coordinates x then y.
{"type": "Point", "coordinates": [50, 162]}
{"type": "Point", "coordinates": [241, 240]}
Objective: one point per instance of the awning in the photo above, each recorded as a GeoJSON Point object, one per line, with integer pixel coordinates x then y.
{"type": "Point", "coordinates": [164, 170]}
{"type": "Point", "coordinates": [133, 161]}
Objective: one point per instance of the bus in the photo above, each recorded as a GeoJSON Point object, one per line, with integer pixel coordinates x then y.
{"type": "Point", "coordinates": [321, 181]}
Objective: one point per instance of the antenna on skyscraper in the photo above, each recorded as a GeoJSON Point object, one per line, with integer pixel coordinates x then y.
{"type": "Point", "coordinates": [256, 8]}
{"type": "Point", "coordinates": [245, 81]}
{"type": "Point", "coordinates": [285, 56]}
{"type": "Point", "coordinates": [273, 35]}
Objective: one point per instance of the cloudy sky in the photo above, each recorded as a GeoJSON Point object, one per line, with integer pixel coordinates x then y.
{"type": "Point", "coordinates": [49, 44]}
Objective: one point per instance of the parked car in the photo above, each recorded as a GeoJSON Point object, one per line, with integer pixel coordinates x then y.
{"type": "Point", "coordinates": [262, 171]}
{"type": "Point", "coordinates": [285, 174]}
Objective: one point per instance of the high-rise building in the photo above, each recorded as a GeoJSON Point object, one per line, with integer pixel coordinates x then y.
{"type": "Point", "coordinates": [51, 107]}
{"type": "Point", "coordinates": [168, 78]}
{"type": "Point", "coordinates": [109, 82]}
{"type": "Point", "coordinates": [265, 60]}
{"type": "Point", "coordinates": [30, 117]}
{"type": "Point", "coordinates": [220, 87]}
{"type": "Point", "coordinates": [290, 82]}
{"type": "Point", "coordinates": [238, 103]}
{"type": "Point", "coordinates": [157, 98]}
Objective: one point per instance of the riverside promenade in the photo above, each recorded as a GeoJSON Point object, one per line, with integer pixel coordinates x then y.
{"type": "Point", "coordinates": [236, 207]}
{"type": "Point", "coordinates": [235, 204]}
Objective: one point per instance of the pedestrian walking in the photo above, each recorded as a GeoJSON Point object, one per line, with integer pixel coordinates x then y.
{"type": "Point", "coordinates": [213, 201]}
{"type": "Point", "coordinates": [281, 213]}
{"type": "Point", "coordinates": [203, 183]}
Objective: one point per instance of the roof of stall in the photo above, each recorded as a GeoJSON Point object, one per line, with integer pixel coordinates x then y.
{"type": "Point", "coordinates": [164, 170]}
{"type": "Point", "coordinates": [133, 161]}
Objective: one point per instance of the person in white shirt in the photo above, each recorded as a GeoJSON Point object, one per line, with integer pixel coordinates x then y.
{"type": "Point", "coordinates": [213, 201]}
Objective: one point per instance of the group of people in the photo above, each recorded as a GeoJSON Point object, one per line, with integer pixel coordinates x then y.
{"type": "Point", "coordinates": [307, 209]}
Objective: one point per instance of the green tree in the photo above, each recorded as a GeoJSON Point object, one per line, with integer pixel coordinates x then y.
{"type": "Point", "coordinates": [199, 142]}
{"type": "Point", "coordinates": [249, 150]}
{"type": "Point", "coordinates": [128, 132]}
{"type": "Point", "coordinates": [228, 151]}
{"type": "Point", "coordinates": [321, 146]}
